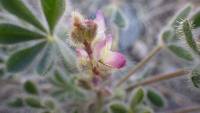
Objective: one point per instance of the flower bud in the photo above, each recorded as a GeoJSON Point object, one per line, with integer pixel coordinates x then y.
{"type": "Point", "coordinates": [77, 18]}
{"type": "Point", "coordinates": [90, 30]}
{"type": "Point", "coordinates": [83, 30]}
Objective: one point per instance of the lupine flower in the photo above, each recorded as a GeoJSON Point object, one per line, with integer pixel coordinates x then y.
{"type": "Point", "coordinates": [101, 47]}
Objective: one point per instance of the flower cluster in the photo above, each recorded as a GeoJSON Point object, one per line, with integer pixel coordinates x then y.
{"type": "Point", "coordinates": [96, 50]}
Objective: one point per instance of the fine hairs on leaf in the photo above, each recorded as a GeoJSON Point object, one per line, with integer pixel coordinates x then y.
{"type": "Point", "coordinates": [187, 31]}
{"type": "Point", "coordinates": [195, 76]}
{"type": "Point", "coordinates": [181, 52]}
{"type": "Point", "coordinates": [181, 15]}
{"type": "Point", "coordinates": [195, 19]}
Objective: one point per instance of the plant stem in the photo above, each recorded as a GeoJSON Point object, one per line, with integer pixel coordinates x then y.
{"type": "Point", "coordinates": [100, 100]}
{"type": "Point", "coordinates": [140, 64]}
{"type": "Point", "coordinates": [187, 110]}
{"type": "Point", "coordinates": [158, 78]}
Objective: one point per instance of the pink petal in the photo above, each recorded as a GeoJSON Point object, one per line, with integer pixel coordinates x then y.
{"type": "Point", "coordinates": [109, 42]}
{"type": "Point", "coordinates": [114, 59]}
{"type": "Point", "coordinates": [98, 48]}
{"type": "Point", "coordinates": [81, 53]}
{"type": "Point", "coordinates": [101, 46]}
{"type": "Point", "coordinates": [100, 23]}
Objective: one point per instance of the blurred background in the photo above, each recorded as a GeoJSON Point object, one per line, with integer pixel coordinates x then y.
{"type": "Point", "coordinates": [136, 26]}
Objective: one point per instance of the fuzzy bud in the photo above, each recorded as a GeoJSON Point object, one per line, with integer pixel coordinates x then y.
{"type": "Point", "coordinates": [83, 30]}
{"type": "Point", "coordinates": [90, 30]}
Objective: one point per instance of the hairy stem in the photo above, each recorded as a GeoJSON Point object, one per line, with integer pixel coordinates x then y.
{"type": "Point", "coordinates": [187, 110]}
{"type": "Point", "coordinates": [100, 103]}
{"type": "Point", "coordinates": [89, 51]}
{"type": "Point", "coordinates": [140, 64]}
{"type": "Point", "coordinates": [158, 78]}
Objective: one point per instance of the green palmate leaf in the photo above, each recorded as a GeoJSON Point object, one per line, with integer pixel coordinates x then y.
{"type": "Point", "coordinates": [155, 98]}
{"type": "Point", "coordinates": [53, 10]}
{"type": "Point", "coordinates": [119, 19]}
{"type": "Point", "coordinates": [137, 97]}
{"type": "Point", "coordinates": [18, 102]}
{"type": "Point", "coordinates": [11, 34]}
{"type": "Point", "coordinates": [46, 61]}
{"type": "Point", "coordinates": [59, 78]}
{"type": "Point", "coordinates": [195, 76]}
{"type": "Point", "coordinates": [33, 102]}
{"type": "Point", "coordinates": [20, 60]}
{"type": "Point", "coordinates": [187, 30]}
{"type": "Point", "coordinates": [181, 52]}
{"type": "Point", "coordinates": [30, 87]}
{"type": "Point", "coordinates": [65, 86]}
{"type": "Point", "coordinates": [67, 55]}
{"type": "Point", "coordinates": [18, 8]}
{"type": "Point", "coordinates": [118, 108]}
{"type": "Point", "coordinates": [196, 20]}
{"type": "Point", "coordinates": [183, 14]}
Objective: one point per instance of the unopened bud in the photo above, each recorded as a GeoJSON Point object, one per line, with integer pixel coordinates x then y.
{"type": "Point", "coordinates": [90, 30]}
{"type": "Point", "coordinates": [77, 18]}
{"type": "Point", "coordinates": [82, 30]}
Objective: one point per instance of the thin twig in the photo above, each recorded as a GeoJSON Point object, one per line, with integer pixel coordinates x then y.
{"type": "Point", "coordinates": [187, 110]}
{"type": "Point", "coordinates": [158, 78]}
{"type": "Point", "coordinates": [140, 64]}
